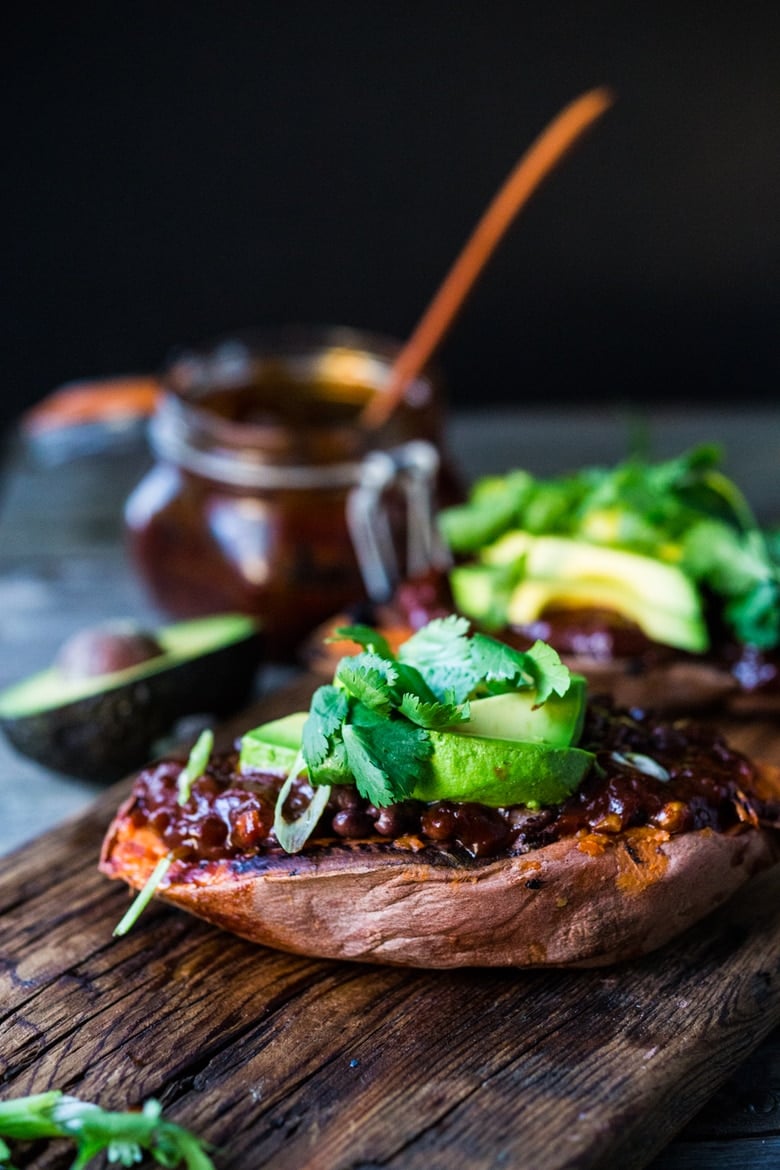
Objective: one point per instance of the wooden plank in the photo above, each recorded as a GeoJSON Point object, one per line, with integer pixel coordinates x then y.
{"type": "Point", "coordinates": [744, 1155]}
{"type": "Point", "coordinates": [748, 1105]}
{"type": "Point", "coordinates": [295, 1062]}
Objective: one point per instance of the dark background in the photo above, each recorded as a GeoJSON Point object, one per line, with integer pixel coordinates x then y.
{"type": "Point", "coordinates": [174, 171]}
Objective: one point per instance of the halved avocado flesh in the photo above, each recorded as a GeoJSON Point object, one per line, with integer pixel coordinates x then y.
{"type": "Point", "coordinates": [105, 726]}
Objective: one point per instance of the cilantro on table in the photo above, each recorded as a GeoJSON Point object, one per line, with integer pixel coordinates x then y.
{"type": "Point", "coordinates": [371, 725]}
{"type": "Point", "coordinates": [685, 510]}
{"type": "Point", "coordinates": [123, 1136]}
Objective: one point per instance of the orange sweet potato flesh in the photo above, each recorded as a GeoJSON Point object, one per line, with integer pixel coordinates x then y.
{"type": "Point", "coordinates": [584, 901]}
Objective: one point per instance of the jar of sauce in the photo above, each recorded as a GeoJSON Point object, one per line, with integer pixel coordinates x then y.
{"type": "Point", "coordinates": [265, 481]}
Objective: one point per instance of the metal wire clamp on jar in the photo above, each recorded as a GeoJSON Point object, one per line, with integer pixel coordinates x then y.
{"type": "Point", "coordinates": [258, 449]}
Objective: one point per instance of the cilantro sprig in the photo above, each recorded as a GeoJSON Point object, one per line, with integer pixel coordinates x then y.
{"type": "Point", "coordinates": [371, 725]}
{"type": "Point", "coordinates": [123, 1136]}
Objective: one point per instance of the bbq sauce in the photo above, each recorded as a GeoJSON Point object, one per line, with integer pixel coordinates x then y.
{"type": "Point", "coordinates": [258, 448]}
{"type": "Point", "coordinates": [673, 777]}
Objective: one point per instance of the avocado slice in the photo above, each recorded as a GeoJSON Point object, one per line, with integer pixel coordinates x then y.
{"type": "Point", "coordinates": [569, 573]}
{"type": "Point", "coordinates": [685, 630]}
{"type": "Point", "coordinates": [516, 716]}
{"type": "Point", "coordinates": [500, 772]}
{"type": "Point", "coordinates": [509, 548]}
{"type": "Point", "coordinates": [482, 592]}
{"type": "Point", "coordinates": [509, 752]}
{"type": "Point", "coordinates": [104, 726]}
{"type": "Point", "coordinates": [273, 746]}
{"type": "Point", "coordinates": [655, 582]}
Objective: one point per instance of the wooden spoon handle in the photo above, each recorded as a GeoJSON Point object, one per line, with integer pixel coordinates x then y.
{"type": "Point", "coordinates": [537, 162]}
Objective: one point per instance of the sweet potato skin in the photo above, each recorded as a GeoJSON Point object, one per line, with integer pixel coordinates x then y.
{"type": "Point", "coordinates": [676, 685]}
{"type": "Point", "coordinates": [589, 900]}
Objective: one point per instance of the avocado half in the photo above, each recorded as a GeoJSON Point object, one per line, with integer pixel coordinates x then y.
{"type": "Point", "coordinates": [105, 726]}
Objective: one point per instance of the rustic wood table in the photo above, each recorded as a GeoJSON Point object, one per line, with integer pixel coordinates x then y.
{"type": "Point", "coordinates": [671, 1063]}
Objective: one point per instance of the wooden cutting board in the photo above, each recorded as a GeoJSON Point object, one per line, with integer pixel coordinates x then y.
{"type": "Point", "coordinates": [297, 1063]}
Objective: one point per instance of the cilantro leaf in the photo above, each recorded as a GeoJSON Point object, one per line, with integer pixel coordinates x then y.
{"type": "Point", "coordinates": [553, 505]}
{"type": "Point", "coordinates": [435, 714]}
{"type": "Point", "coordinates": [369, 678]}
{"type": "Point", "coordinates": [441, 651]}
{"type": "Point", "coordinates": [328, 710]}
{"type": "Point", "coordinates": [550, 674]}
{"type": "Point", "coordinates": [409, 681]}
{"type": "Point", "coordinates": [729, 561]}
{"type": "Point", "coordinates": [738, 566]}
{"type": "Point", "coordinates": [493, 506]}
{"type": "Point", "coordinates": [505, 669]}
{"type": "Point", "coordinates": [495, 662]}
{"type": "Point", "coordinates": [332, 768]}
{"type": "Point", "coordinates": [457, 666]}
{"type": "Point", "coordinates": [387, 756]}
{"type": "Point", "coordinates": [371, 779]}
{"type": "Point", "coordinates": [755, 616]}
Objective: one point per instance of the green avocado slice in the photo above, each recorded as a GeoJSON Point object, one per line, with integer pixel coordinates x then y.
{"type": "Point", "coordinates": [520, 576]}
{"type": "Point", "coordinates": [467, 766]}
{"type": "Point", "coordinates": [273, 746]}
{"type": "Point", "coordinates": [670, 627]}
{"type": "Point", "coordinates": [516, 716]}
{"type": "Point", "coordinates": [500, 772]}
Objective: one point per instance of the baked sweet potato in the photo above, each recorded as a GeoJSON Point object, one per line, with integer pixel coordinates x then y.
{"type": "Point", "coordinates": [575, 902]}
{"type": "Point", "coordinates": [596, 893]}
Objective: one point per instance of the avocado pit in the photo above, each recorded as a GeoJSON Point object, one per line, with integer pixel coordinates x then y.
{"type": "Point", "coordinates": [105, 649]}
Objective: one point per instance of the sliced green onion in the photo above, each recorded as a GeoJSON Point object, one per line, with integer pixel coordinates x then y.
{"type": "Point", "coordinates": [144, 896]}
{"type": "Point", "coordinates": [642, 763]}
{"type": "Point", "coordinates": [293, 835]}
{"type": "Point", "coordinates": [196, 764]}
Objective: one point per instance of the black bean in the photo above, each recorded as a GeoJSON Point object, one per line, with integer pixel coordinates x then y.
{"type": "Point", "coordinates": [352, 823]}
{"type": "Point", "coordinates": [392, 821]}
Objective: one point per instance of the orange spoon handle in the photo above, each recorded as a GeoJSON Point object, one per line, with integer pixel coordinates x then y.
{"type": "Point", "coordinates": [537, 162]}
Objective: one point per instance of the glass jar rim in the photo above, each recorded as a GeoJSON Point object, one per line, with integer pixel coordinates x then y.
{"type": "Point", "coordinates": [241, 467]}
{"type": "Point", "coordinates": [253, 454]}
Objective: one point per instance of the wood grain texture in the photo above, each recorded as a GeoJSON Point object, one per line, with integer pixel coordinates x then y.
{"type": "Point", "coordinates": [290, 1062]}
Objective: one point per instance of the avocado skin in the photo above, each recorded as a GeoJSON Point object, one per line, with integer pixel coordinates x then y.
{"type": "Point", "coordinates": [108, 734]}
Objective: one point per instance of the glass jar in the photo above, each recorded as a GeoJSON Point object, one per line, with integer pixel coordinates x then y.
{"type": "Point", "coordinates": [267, 497]}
